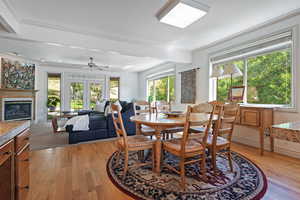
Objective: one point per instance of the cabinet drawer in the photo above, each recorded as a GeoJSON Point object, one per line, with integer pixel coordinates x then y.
{"type": "Point", "coordinates": [22, 140]}
{"type": "Point", "coordinates": [22, 168]}
{"type": "Point", "coordinates": [6, 151]}
{"type": "Point", "coordinates": [250, 117]}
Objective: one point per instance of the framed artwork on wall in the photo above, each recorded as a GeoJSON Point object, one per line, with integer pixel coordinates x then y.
{"type": "Point", "coordinates": [16, 75]}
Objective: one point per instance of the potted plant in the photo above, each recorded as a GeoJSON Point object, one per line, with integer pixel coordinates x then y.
{"type": "Point", "coordinates": [52, 103]}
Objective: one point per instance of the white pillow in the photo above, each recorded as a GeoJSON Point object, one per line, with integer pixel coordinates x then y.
{"type": "Point", "coordinates": [117, 103]}
{"type": "Point", "coordinates": [80, 123]}
{"type": "Point", "coordinates": [100, 106]}
{"type": "Point", "coordinates": [107, 110]}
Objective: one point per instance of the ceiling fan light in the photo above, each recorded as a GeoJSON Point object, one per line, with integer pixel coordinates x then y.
{"type": "Point", "coordinates": [182, 13]}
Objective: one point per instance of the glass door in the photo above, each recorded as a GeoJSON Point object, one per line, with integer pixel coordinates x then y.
{"type": "Point", "coordinates": [96, 94]}
{"type": "Point", "coordinates": [77, 96]}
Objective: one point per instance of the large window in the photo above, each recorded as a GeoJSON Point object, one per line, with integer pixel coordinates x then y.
{"type": "Point", "coordinates": [161, 89]}
{"type": "Point", "coordinates": [114, 88]}
{"type": "Point", "coordinates": [267, 75]}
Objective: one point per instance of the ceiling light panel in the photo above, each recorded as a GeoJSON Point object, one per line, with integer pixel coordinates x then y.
{"type": "Point", "coordinates": [182, 13]}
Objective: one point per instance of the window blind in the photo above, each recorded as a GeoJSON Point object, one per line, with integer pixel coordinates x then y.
{"type": "Point", "coordinates": [272, 43]}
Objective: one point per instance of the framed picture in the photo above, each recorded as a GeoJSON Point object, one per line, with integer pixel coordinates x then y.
{"type": "Point", "coordinates": [236, 93]}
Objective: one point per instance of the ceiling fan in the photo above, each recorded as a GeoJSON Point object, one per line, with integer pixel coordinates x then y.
{"type": "Point", "coordinates": [92, 66]}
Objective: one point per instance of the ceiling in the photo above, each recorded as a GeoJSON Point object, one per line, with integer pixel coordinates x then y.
{"type": "Point", "coordinates": [126, 33]}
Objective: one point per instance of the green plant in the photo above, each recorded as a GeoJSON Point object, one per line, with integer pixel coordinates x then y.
{"type": "Point", "coordinates": [52, 101]}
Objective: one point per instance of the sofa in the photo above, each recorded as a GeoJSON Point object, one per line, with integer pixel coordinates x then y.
{"type": "Point", "coordinates": [102, 127]}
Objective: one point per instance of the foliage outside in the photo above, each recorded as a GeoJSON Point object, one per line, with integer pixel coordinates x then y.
{"type": "Point", "coordinates": [268, 81]}
{"type": "Point", "coordinates": [158, 90]}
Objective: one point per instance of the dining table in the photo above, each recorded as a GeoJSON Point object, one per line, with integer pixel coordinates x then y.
{"type": "Point", "coordinates": [160, 122]}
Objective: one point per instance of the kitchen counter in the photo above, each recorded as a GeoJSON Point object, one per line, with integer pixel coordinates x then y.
{"type": "Point", "coordinates": [8, 130]}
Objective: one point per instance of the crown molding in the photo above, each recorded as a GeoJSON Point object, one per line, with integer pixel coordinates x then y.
{"type": "Point", "coordinates": [270, 22]}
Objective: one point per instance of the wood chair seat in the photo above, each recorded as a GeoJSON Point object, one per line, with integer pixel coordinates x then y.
{"type": "Point", "coordinates": [174, 146]}
{"type": "Point", "coordinates": [137, 141]}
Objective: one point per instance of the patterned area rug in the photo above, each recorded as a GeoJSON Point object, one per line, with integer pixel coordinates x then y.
{"type": "Point", "coordinates": [246, 182]}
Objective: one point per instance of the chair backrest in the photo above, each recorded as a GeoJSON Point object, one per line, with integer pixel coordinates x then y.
{"type": "Point", "coordinates": [118, 123]}
{"type": "Point", "coordinates": [226, 121]}
{"type": "Point", "coordinates": [191, 119]}
{"type": "Point", "coordinates": [54, 124]}
{"type": "Point", "coordinates": [161, 106]}
{"type": "Point", "coordinates": [141, 107]}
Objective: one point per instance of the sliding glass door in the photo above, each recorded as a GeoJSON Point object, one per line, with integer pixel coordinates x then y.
{"type": "Point", "coordinates": [77, 96]}
{"type": "Point", "coordinates": [85, 94]}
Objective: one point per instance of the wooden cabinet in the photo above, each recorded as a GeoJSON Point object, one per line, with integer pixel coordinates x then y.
{"type": "Point", "coordinates": [7, 171]}
{"type": "Point", "coordinates": [257, 117]}
{"type": "Point", "coordinates": [22, 165]}
{"type": "Point", "coordinates": [14, 168]}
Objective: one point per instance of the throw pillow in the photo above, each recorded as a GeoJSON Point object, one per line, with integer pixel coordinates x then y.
{"type": "Point", "coordinates": [100, 106]}
{"type": "Point", "coordinates": [117, 103]}
{"type": "Point", "coordinates": [107, 110]}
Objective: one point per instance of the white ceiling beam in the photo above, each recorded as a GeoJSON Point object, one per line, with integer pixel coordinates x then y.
{"type": "Point", "coordinates": [7, 18]}
{"type": "Point", "coordinates": [39, 33]}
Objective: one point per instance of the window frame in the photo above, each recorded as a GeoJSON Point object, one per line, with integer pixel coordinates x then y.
{"type": "Point", "coordinates": [288, 108]}
{"type": "Point", "coordinates": [168, 86]}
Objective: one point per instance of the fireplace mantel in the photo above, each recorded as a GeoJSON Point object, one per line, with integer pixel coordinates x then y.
{"type": "Point", "coordinates": [17, 93]}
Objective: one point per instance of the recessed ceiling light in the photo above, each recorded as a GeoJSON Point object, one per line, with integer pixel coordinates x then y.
{"type": "Point", "coordinates": [76, 47]}
{"type": "Point", "coordinates": [114, 52]}
{"type": "Point", "coordinates": [96, 50]}
{"type": "Point", "coordinates": [54, 44]}
{"type": "Point", "coordinates": [182, 13]}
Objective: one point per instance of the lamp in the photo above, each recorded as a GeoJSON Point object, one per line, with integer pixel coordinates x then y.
{"type": "Point", "coordinates": [181, 13]}
{"type": "Point", "coordinates": [216, 73]}
{"type": "Point", "coordinates": [233, 71]}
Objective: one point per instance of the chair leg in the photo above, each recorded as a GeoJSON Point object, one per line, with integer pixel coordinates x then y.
{"type": "Point", "coordinates": [230, 160]}
{"type": "Point", "coordinates": [214, 160]}
{"type": "Point", "coordinates": [125, 165]}
{"type": "Point", "coordinates": [182, 173]}
{"type": "Point", "coordinates": [203, 167]}
{"type": "Point", "coordinates": [153, 158]}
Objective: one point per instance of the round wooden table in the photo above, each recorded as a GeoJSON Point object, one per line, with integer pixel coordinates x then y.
{"type": "Point", "coordinates": [160, 122]}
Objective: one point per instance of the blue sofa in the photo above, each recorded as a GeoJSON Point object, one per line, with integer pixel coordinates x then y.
{"type": "Point", "coordinates": [102, 127]}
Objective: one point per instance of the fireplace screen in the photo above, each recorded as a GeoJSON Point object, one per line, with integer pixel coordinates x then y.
{"type": "Point", "coordinates": [17, 110]}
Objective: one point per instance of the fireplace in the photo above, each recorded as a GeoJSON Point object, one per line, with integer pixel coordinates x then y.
{"type": "Point", "coordinates": [17, 109]}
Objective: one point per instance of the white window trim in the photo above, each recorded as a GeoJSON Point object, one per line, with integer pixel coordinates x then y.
{"type": "Point", "coordinates": [294, 48]}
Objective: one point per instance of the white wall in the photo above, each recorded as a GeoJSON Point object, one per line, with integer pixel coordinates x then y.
{"type": "Point", "coordinates": [249, 136]}
{"type": "Point", "coordinates": [128, 85]}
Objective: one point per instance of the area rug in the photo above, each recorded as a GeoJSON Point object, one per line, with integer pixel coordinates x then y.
{"type": "Point", "coordinates": [246, 182]}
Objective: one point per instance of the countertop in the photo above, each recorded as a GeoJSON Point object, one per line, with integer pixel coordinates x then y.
{"type": "Point", "coordinates": [8, 130]}
{"type": "Point", "coordinates": [294, 126]}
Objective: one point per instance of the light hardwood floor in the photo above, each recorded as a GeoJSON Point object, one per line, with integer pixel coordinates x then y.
{"type": "Point", "coordinates": [79, 172]}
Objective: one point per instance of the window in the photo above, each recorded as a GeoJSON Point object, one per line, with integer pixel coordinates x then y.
{"type": "Point", "coordinates": [267, 73]}
{"type": "Point", "coordinates": [114, 88]}
{"type": "Point", "coordinates": [77, 89]}
{"type": "Point", "coordinates": [95, 94]}
{"type": "Point", "coordinates": [161, 89]}
{"type": "Point", "coordinates": [54, 97]}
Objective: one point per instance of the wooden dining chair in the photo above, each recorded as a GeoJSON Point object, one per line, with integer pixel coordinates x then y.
{"type": "Point", "coordinates": [201, 108]}
{"type": "Point", "coordinates": [126, 143]}
{"type": "Point", "coordinates": [220, 140]}
{"type": "Point", "coordinates": [144, 107]}
{"type": "Point", "coordinates": [189, 148]}
{"type": "Point", "coordinates": [56, 128]}
{"type": "Point", "coordinates": [164, 106]}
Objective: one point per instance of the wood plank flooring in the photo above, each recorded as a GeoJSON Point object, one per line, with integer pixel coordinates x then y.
{"type": "Point", "coordinates": [78, 172]}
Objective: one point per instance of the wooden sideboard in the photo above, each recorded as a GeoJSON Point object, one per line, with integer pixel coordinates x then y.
{"type": "Point", "coordinates": [14, 160]}
{"type": "Point", "coordinates": [257, 117]}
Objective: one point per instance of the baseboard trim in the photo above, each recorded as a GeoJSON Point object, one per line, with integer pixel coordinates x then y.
{"type": "Point", "coordinates": [278, 147]}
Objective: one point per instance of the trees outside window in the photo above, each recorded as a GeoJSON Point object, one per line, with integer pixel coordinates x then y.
{"type": "Point", "coordinates": [267, 78]}
{"type": "Point", "coordinates": [162, 89]}
{"type": "Point", "coordinates": [114, 88]}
